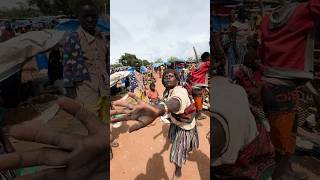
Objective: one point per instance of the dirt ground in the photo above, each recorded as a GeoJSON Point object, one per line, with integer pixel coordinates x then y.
{"type": "Point", "coordinates": [144, 155]}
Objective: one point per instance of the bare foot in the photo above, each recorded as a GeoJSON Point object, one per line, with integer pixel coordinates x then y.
{"type": "Point", "coordinates": [177, 174]}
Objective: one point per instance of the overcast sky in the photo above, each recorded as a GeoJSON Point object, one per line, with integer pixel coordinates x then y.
{"type": "Point", "coordinates": [154, 29]}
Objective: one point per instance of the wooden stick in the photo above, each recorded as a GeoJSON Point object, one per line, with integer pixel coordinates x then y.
{"type": "Point", "coordinates": [195, 52]}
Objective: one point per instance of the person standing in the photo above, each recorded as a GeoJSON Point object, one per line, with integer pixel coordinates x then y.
{"type": "Point", "coordinates": [8, 32]}
{"type": "Point", "coordinates": [286, 46]}
{"type": "Point", "coordinates": [198, 79]}
{"type": "Point", "coordinates": [137, 82]}
{"type": "Point", "coordinates": [183, 77]}
{"type": "Point", "coordinates": [84, 61]}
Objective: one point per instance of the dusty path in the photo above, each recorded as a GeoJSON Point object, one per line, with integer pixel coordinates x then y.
{"type": "Point", "coordinates": [144, 155]}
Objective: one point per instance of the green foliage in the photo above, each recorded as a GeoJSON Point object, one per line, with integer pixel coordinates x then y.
{"type": "Point", "coordinates": [145, 62]}
{"type": "Point", "coordinates": [172, 59]}
{"type": "Point", "coordinates": [159, 60]}
{"type": "Point", "coordinates": [20, 12]}
{"type": "Point", "coordinates": [130, 60]}
{"type": "Point", "coordinates": [190, 59]}
{"type": "Point", "coordinates": [116, 65]}
{"type": "Point", "coordinates": [67, 7]}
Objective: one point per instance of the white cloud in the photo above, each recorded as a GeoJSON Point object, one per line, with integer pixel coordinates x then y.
{"type": "Point", "coordinates": [151, 28]}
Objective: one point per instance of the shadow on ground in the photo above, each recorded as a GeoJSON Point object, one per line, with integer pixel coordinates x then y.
{"type": "Point", "coordinates": [155, 169]}
{"type": "Point", "coordinates": [203, 162]}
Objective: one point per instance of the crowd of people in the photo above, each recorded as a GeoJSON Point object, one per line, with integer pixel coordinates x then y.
{"type": "Point", "coordinates": [12, 28]}
{"type": "Point", "coordinates": [177, 105]}
{"type": "Point", "coordinates": [255, 98]}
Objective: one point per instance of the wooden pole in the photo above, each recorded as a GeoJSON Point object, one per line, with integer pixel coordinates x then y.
{"type": "Point", "coordinates": [195, 52]}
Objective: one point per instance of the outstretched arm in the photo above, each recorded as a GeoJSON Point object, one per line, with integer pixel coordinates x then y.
{"type": "Point", "coordinates": [142, 112]}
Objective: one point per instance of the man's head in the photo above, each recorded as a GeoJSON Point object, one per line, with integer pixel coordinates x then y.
{"type": "Point", "coordinates": [242, 14]}
{"type": "Point", "coordinates": [7, 25]}
{"type": "Point", "coordinates": [205, 57]}
{"type": "Point", "coordinates": [87, 13]}
{"type": "Point", "coordinates": [137, 66]}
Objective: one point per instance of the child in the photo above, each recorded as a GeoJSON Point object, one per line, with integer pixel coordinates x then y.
{"type": "Point", "coordinates": [153, 94]}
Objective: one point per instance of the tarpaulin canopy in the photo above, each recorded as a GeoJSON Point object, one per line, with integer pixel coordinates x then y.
{"type": "Point", "coordinates": [143, 69]}
{"type": "Point", "coordinates": [73, 24]}
{"type": "Point", "coordinates": [157, 65]}
{"type": "Point", "coordinates": [115, 77]}
{"type": "Point", "coordinates": [167, 63]}
{"type": "Point", "coordinates": [16, 51]}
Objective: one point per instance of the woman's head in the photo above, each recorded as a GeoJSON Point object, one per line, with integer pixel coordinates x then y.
{"type": "Point", "coordinates": [170, 78]}
{"type": "Point", "coordinates": [152, 86]}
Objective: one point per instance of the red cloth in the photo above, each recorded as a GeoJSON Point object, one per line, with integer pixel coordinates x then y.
{"type": "Point", "coordinates": [198, 76]}
{"type": "Point", "coordinates": [153, 95]}
{"type": "Point", "coordinates": [6, 35]}
{"type": "Point", "coordinates": [285, 48]}
{"type": "Point", "coordinates": [222, 10]}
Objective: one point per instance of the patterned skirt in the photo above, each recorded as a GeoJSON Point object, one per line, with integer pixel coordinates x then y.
{"type": "Point", "coordinates": [183, 141]}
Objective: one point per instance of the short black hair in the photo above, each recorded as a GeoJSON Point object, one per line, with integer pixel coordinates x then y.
{"type": "Point", "coordinates": [137, 63]}
{"type": "Point", "coordinates": [83, 3]}
{"type": "Point", "coordinates": [205, 56]}
{"type": "Point", "coordinates": [152, 85]}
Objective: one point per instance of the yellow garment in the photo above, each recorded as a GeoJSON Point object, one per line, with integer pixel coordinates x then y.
{"type": "Point", "coordinates": [102, 109]}
{"type": "Point", "coordinates": [259, 20]}
{"type": "Point", "coordinates": [141, 95]}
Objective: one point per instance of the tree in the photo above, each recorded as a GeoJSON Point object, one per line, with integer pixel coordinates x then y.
{"type": "Point", "coordinates": [172, 59]}
{"type": "Point", "coordinates": [145, 62]}
{"type": "Point", "coordinates": [116, 65]}
{"type": "Point", "coordinates": [67, 7]}
{"type": "Point", "coordinates": [18, 12]}
{"type": "Point", "coordinates": [190, 59]}
{"type": "Point", "coordinates": [128, 59]}
{"type": "Point", "coordinates": [159, 60]}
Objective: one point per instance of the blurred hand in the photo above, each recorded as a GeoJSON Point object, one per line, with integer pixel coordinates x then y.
{"type": "Point", "coordinates": [69, 156]}
{"type": "Point", "coordinates": [142, 112]}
